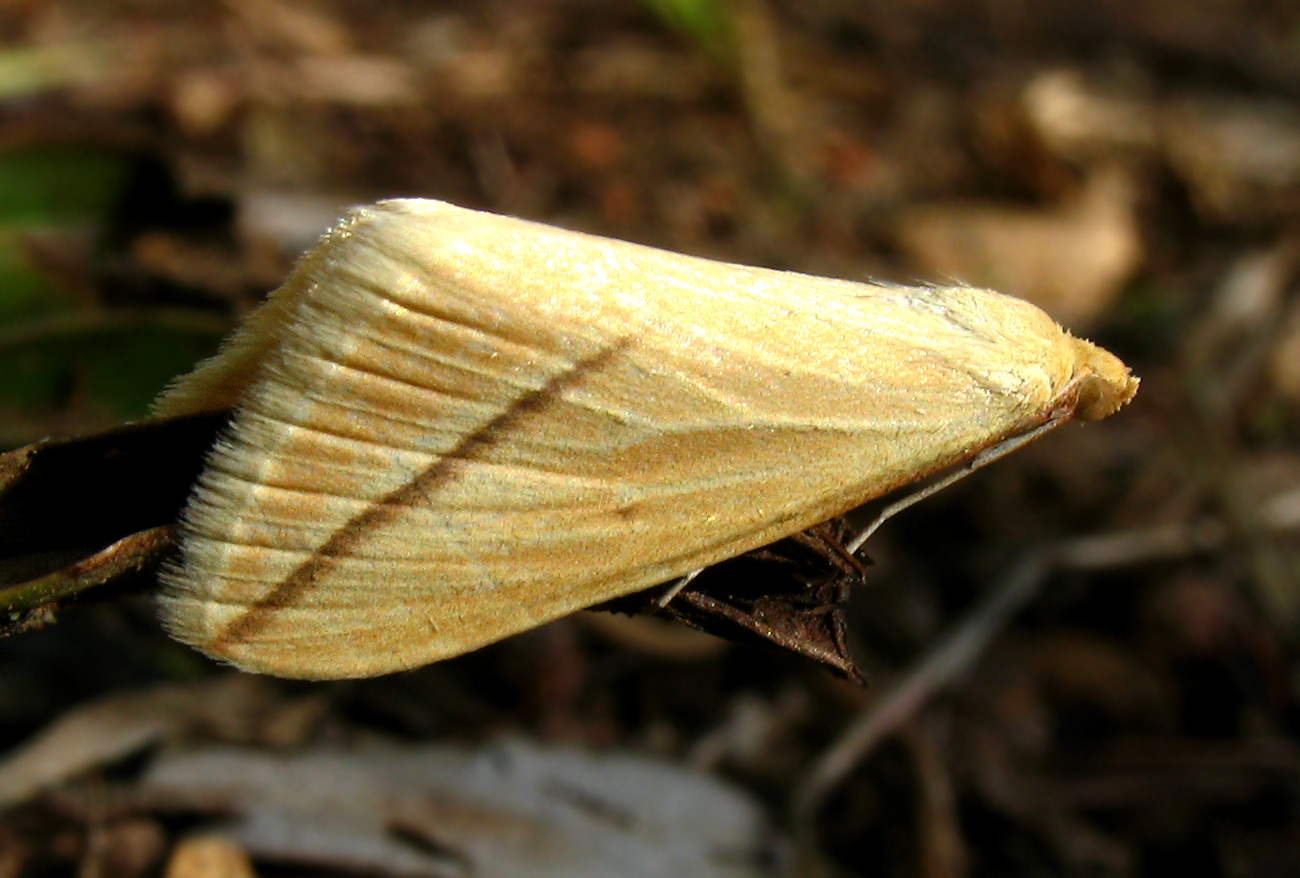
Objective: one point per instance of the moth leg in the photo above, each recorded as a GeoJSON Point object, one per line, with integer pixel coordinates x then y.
{"type": "Point", "coordinates": [985, 457]}
{"type": "Point", "coordinates": [675, 588]}
{"type": "Point", "coordinates": [824, 540]}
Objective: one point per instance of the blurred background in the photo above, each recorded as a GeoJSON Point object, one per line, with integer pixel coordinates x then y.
{"type": "Point", "coordinates": [1083, 658]}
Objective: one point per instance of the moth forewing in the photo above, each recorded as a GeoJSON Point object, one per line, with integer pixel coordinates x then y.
{"type": "Point", "coordinates": [452, 426]}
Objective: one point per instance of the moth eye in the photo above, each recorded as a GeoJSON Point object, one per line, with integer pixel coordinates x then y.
{"type": "Point", "coordinates": [1097, 399]}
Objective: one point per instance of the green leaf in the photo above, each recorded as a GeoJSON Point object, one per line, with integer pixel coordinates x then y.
{"type": "Point", "coordinates": [108, 364]}
{"type": "Point", "coordinates": [55, 187]}
{"type": "Point", "coordinates": [703, 21]}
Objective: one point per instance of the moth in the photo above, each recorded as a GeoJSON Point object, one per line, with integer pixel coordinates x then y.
{"type": "Point", "coordinates": [451, 426]}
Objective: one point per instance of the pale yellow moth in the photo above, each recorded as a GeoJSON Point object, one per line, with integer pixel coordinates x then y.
{"type": "Point", "coordinates": [452, 426]}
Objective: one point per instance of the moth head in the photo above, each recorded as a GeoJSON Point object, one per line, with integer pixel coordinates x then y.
{"type": "Point", "coordinates": [1104, 383]}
